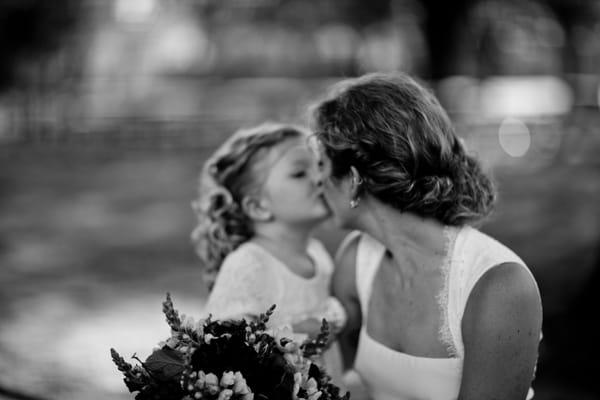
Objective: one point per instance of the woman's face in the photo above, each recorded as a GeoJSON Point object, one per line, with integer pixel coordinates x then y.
{"type": "Point", "coordinates": [337, 192]}
{"type": "Point", "coordinates": [292, 186]}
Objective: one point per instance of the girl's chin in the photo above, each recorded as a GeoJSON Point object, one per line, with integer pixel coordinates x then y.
{"type": "Point", "coordinates": [322, 216]}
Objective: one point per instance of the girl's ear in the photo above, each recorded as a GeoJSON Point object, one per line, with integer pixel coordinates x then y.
{"type": "Point", "coordinates": [256, 209]}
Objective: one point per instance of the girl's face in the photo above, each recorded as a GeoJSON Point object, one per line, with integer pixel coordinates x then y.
{"type": "Point", "coordinates": [292, 189]}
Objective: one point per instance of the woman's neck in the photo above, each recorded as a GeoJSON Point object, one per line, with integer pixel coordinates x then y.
{"type": "Point", "coordinates": [403, 233]}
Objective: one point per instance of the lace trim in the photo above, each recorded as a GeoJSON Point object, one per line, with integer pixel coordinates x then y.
{"type": "Point", "coordinates": [445, 334]}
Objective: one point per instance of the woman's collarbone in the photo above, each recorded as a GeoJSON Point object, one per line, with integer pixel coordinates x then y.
{"type": "Point", "coordinates": [406, 319]}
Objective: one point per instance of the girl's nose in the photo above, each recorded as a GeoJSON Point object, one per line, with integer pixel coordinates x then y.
{"type": "Point", "coordinates": [317, 175]}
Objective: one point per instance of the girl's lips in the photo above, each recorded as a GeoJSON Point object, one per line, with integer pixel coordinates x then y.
{"type": "Point", "coordinates": [321, 197]}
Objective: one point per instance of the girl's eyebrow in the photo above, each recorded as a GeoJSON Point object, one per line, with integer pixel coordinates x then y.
{"type": "Point", "coordinates": [301, 161]}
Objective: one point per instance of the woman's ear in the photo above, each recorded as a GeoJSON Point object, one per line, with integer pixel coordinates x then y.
{"type": "Point", "coordinates": [255, 209]}
{"type": "Point", "coordinates": [356, 182]}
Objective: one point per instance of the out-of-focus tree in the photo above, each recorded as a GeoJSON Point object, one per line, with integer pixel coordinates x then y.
{"type": "Point", "coordinates": [30, 31]}
{"type": "Point", "coordinates": [510, 37]}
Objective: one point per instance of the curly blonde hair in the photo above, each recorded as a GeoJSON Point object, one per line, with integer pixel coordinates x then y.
{"type": "Point", "coordinates": [226, 178]}
{"type": "Point", "coordinates": [397, 135]}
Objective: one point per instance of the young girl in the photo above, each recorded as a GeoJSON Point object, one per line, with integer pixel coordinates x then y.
{"type": "Point", "coordinates": [260, 198]}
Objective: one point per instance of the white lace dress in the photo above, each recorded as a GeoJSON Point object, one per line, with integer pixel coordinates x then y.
{"type": "Point", "coordinates": [389, 374]}
{"type": "Point", "coordinates": [251, 279]}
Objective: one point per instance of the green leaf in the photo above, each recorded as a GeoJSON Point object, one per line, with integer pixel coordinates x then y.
{"type": "Point", "coordinates": [165, 364]}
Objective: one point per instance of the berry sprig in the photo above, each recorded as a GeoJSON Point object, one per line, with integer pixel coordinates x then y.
{"type": "Point", "coordinates": [171, 314]}
{"type": "Point", "coordinates": [136, 378]}
{"type": "Point", "coordinates": [316, 346]}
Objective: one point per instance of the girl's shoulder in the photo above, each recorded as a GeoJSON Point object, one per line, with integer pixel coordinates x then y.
{"type": "Point", "coordinates": [247, 258]}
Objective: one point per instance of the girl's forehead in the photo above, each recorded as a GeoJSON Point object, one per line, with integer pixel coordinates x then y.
{"type": "Point", "coordinates": [288, 151]}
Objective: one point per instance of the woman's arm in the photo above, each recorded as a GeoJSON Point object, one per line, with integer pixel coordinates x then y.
{"type": "Point", "coordinates": [501, 331]}
{"type": "Point", "coordinates": [344, 288]}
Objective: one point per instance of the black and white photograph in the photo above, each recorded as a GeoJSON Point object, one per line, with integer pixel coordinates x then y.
{"type": "Point", "coordinates": [299, 199]}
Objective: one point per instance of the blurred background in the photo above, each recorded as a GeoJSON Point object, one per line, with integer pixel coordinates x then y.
{"type": "Point", "coordinates": [109, 107]}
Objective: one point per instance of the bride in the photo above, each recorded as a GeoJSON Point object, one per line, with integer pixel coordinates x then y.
{"type": "Point", "coordinates": [436, 309]}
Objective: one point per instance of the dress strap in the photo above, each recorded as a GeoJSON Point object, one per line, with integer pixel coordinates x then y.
{"type": "Point", "coordinates": [474, 254]}
{"type": "Point", "coordinates": [368, 257]}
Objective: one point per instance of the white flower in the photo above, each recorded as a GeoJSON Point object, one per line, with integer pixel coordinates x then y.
{"type": "Point", "coordinates": [212, 383]}
{"type": "Point", "coordinates": [297, 382]}
{"type": "Point", "coordinates": [240, 386]}
{"type": "Point", "coordinates": [201, 381]}
{"type": "Point", "coordinates": [315, 396]}
{"type": "Point", "coordinates": [291, 347]}
{"type": "Point", "coordinates": [172, 342]}
{"type": "Point", "coordinates": [311, 387]}
{"type": "Point", "coordinates": [208, 337]}
{"type": "Point", "coordinates": [227, 379]}
{"type": "Point", "coordinates": [225, 394]}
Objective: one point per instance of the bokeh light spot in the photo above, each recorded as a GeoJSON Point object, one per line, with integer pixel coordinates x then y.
{"type": "Point", "coordinates": [514, 137]}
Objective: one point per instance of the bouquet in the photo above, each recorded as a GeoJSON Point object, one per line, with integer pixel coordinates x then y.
{"type": "Point", "coordinates": [232, 359]}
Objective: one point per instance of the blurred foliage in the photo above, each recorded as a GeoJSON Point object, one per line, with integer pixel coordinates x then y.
{"type": "Point", "coordinates": [30, 30]}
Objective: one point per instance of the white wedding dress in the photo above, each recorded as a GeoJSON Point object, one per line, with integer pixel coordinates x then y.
{"type": "Point", "coordinates": [392, 375]}
{"type": "Point", "coordinates": [251, 280]}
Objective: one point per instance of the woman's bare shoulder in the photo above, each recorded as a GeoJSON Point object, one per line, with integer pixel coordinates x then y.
{"type": "Point", "coordinates": [504, 298]}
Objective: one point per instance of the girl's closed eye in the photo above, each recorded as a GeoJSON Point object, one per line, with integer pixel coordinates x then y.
{"type": "Point", "coordinates": [299, 174]}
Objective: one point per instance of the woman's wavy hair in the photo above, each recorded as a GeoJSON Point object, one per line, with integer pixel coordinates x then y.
{"type": "Point", "coordinates": [226, 178]}
{"type": "Point", "coordinates": [397, 135]}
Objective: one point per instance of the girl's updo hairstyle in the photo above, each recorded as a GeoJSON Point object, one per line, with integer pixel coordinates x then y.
{"type": "Point", "coordinates": [227, 177]}
{"type": "Point", "coordinates": [401, 141]}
